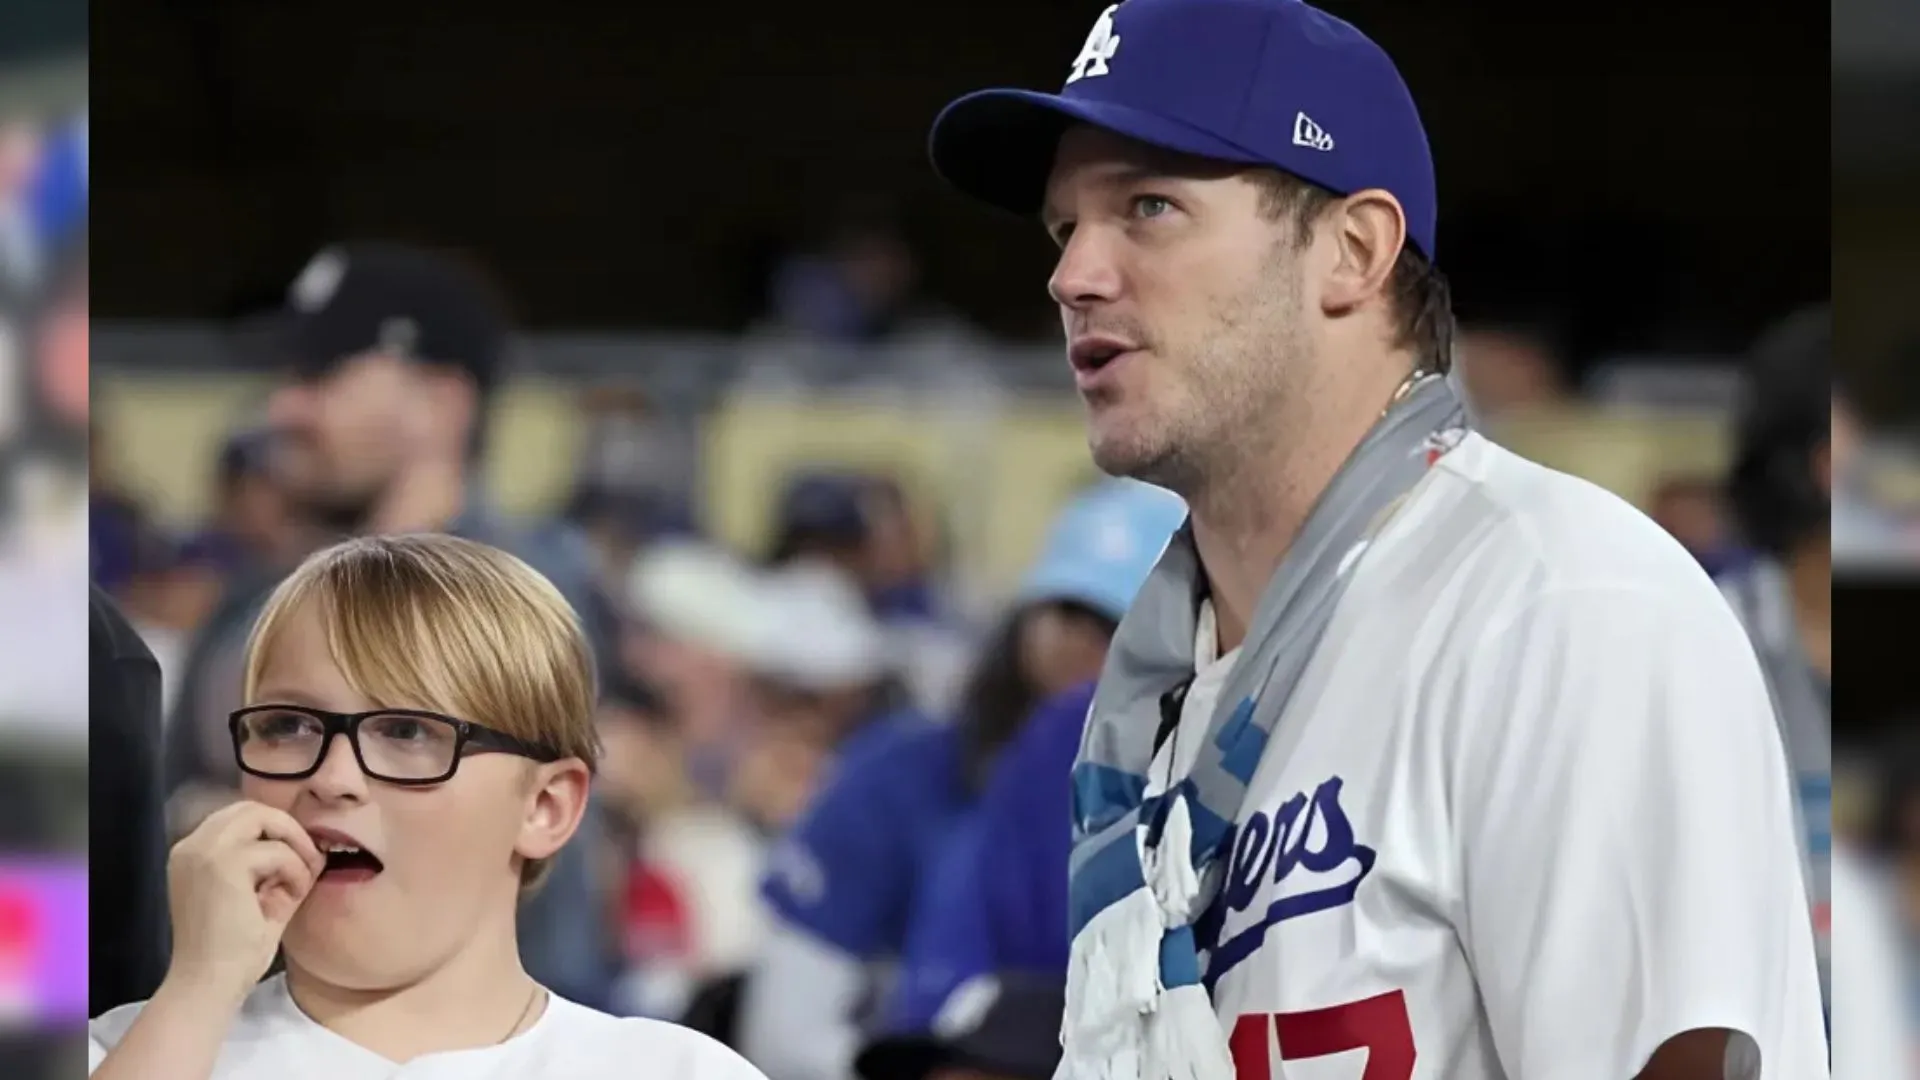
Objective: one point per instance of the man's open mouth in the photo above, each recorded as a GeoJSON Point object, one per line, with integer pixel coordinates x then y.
{"type": "Point", "coordinates": [1094, 352]}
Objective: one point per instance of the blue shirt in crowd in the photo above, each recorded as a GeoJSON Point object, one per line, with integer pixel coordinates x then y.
{"type": "Point", "coordinates": [848, 872]}
{"type": "Point", "coordinates": [998, 900]}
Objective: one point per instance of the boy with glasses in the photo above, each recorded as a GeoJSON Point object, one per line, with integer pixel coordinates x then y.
{"type": "Point", "coordinates": [416, 747]}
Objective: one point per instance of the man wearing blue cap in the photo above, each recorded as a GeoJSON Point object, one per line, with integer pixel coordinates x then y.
{"type": "Point", "coordinates": [1409, 749]}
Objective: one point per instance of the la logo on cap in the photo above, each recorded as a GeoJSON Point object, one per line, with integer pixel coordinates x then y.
{"type": "Point", "coordinates": [1101, 44]}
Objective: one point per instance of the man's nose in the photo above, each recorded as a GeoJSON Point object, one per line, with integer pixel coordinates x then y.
{"type": "Point", "coordinates": [1088, 272]}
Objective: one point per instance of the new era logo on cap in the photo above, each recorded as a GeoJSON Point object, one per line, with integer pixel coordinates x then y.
{"type": "Point", "coordinates": [1309, 134]}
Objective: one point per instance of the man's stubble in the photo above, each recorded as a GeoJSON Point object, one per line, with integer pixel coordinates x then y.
{"type": "Point", "coordinates": [1232, 394]}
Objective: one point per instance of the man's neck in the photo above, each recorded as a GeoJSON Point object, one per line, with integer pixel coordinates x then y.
{"type": "Point", "coordinates": [1246, 516]}
{"type": "Point", "coordinates": [480, 997]}
{"type": "Point", "coordinates": [425, 497]}
{"type": "Point", "coordinates": [1810, 579]}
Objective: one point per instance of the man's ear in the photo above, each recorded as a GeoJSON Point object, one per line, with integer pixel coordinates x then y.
{"type": "Point", "coordinates": [1369, 228]}
{"type": "Point", "coordinates": [559, 802]}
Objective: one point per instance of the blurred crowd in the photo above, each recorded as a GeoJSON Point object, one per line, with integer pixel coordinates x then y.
{"type": "Point", "coordinates": [43, 410]}
{"type": "Point", "coordinates": [43, 522]}
{"type": "Point", "coordinates": [811, 741]}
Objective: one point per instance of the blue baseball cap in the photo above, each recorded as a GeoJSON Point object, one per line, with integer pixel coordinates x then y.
{"type": "Point", "coordinates": [823, 503]}
{"type": "Point", "coordinates": [1103, 545]}
{"type": "Point", "coordinates": [1254, 82]}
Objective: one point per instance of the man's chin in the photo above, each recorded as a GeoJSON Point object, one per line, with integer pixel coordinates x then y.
{"type": "Point", "coordinates": [335, 511]}
{"type": "Point", "coordinates": [1127, 453]}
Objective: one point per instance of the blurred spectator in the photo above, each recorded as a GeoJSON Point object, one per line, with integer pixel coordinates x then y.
{"type": "Point", "coordinates": [57, 197]}
{"type": "Point", "coordinates": [859, 286]}
{"type": "Point", "coordinates": [1894, 836]}
{"type": "Point", "coordinates": [866, 526]}
{"type": "Point", "coordinates": [821, 516]}
{"type": "Point", "coordinates": [823, 668]}
{"type": "Point", "coordinates": [699, 622]}
{"type": "Point", "coordinates": [395, 355]}
{"type": "Point", "coordinates": [637, 448]}
{"type": "Point", "coordinates": [1871, 1038]}
{"type": "Point", "coordinates": [61, 371]}
{"type": "Point", "coordinates": [843, 882]}
{"type": "Point", "coordinates": [22, 247]}
{"type": "Point", "coordinates": [1781, 486]}
{"type": "Point", "coordinates": [172, 589]}
{"type": "Point", "coordinates": [127, 860]}
{"type": "Point", "coordinates": [114, 518]}
{"type": "Point", "coordinates": [1890, 855]}
{"type": "Point", "coordinates": [900, 554]}
{"type": "Point", "coordinates": [769, 675]}
{"type": "Point", "coordinates": [618, 524]}
{"type": "Point", "coordinates": [847, 313]}
{"type": "Point", "coordinates": [1693, 511]}
{"type": "Point", "coordinates": [255, 524]}
{"type": "Point", "coordinates": [1861, 529]}
{"type": "Point", "coordinates": [636, 479]}
{"type": "Point", "coordinates": [683, 758]}
{"type": "Point", "coordinates": [1509, 366]}
{"type": "Point", "coordinates": [1001, 913]}
{"type": "Point", "coordinates": [686, 865]}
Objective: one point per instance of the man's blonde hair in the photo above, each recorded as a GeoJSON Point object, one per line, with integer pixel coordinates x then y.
{"type": "Point", "coordinates": [444, 624]}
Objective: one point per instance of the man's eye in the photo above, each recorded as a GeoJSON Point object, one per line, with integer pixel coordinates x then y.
{"type": "Point", "coordinates": [1148, 206]}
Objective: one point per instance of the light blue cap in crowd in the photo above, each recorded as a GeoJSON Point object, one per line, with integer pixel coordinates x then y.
{"type": "Point", "coordinates": [1101, 547]}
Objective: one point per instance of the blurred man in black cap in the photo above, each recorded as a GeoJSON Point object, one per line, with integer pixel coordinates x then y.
{"type": "Point", "coordinates": [395, 354]}
{"type": "Point", "coordinates": [127, 854]}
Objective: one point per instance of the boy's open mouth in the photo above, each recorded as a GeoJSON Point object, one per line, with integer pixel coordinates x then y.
{"type": "Point", "coordinates": [350, 864]}
{"type": "Point", "coordinates": [347, 861]}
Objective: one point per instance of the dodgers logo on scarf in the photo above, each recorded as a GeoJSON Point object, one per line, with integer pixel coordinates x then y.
{"type": "Point", "coordinates": [1306, 849]}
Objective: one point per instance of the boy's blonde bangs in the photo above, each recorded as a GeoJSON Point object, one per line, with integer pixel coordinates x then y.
{"type": "Point", "coordinates": [448, 625]}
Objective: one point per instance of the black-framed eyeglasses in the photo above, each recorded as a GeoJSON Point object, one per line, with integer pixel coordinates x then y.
{"type": "Point", "coordinates": [397, 746]}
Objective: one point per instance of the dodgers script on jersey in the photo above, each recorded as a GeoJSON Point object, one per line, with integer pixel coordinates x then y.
{"type": "Point", "coordinates": [1527, 814]}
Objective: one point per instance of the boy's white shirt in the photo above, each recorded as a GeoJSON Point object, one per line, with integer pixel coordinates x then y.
{"type": "Point", "coordinates": [271, 1039]}
{"type": "Point", "coordinates": [1527, 814]}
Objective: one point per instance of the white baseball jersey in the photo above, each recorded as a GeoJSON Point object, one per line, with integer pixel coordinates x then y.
{"type": "Point", "coordinates": [1527, 814]}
